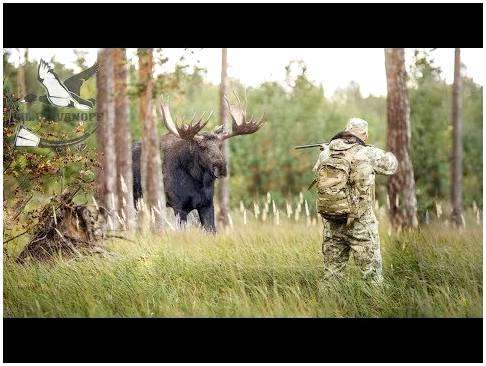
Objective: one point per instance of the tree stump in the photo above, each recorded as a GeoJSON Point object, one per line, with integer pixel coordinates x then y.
{"type": "Point", "coordinates": [66, 229]}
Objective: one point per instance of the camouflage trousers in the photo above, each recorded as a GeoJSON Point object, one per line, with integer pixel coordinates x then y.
{"type": "Point", "coordinates": [360, 238]}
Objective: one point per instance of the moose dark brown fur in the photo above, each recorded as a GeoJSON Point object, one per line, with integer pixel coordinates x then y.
{"type": "Point", "coordinates": [192, 161]}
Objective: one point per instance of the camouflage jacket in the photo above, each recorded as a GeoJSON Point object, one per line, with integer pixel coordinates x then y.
{"type": "Point", "coordinates": [367, 161]}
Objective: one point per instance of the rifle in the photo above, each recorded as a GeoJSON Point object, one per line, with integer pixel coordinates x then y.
{"type": "Point", "coordinates": [308, 146]}
{"type": "Point", "coordinates": [344, 134]}
{"type": "Point", "coordinates": [339, 135]}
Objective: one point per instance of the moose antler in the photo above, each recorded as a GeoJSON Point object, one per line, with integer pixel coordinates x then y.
{"type": "Point", "coordinates": [241, 125]}
{"type": "Point", "coordinates": [188, 130]}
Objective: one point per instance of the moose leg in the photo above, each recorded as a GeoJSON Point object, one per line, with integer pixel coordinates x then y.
{"type": "Point", "coordinates": [181, 216]}
{"type": "Point", "coordinates": [206, 216]}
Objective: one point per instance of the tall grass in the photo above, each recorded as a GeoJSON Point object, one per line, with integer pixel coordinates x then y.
{"type": "Point", "coordinates": [254, 269]}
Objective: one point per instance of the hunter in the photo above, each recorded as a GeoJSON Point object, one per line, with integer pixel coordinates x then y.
{"type": "Point", "coordinates": [345, 180]}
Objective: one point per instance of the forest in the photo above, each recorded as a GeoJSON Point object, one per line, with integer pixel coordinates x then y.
{"type": "Point", "coordinates": [265, 258]}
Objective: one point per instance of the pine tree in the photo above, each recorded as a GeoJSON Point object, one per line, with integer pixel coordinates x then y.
{"type": "Point", "coordinates": [151, 171]}
{"type": "Point", "coordinates": [401, 186]}
{"type": "Point", "coordinates": [106, 178]}
{"type": "Point", "coordinates": [21, 79]}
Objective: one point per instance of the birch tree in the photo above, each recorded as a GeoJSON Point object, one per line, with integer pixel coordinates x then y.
{"type": "Point", "coordinates": [123, 139]}
{"type": "Point", "coordinates": [223, 185]}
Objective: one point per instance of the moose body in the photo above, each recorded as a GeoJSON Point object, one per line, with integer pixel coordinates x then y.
{"type": "Point", "coordinates": [192, 161]}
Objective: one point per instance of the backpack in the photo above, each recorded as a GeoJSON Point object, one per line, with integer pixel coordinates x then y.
{"type": "Point", "coordinates": [333, 188]}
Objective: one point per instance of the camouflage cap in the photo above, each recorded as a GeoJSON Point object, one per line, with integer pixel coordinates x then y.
{"type": "Point", "coordinates": [358, 125]}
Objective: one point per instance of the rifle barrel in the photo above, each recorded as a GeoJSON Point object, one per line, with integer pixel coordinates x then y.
{"type": "Point", "coordinates": [306, 146]}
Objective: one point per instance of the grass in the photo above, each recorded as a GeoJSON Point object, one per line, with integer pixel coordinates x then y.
{"type": "Point", "coordinates": [258, 269]}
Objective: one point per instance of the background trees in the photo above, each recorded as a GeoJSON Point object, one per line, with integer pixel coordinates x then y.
{"type": "Point", "coordinates": [430, 114]}
{"type": "Point", "coordinates": [401, 186]}
{"type": "Point", "coordinates": [297, 113]}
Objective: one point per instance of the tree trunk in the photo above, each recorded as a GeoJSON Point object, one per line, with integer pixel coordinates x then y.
{"type": "Point", "coordinates": [105, 102]}
{"type": "Point", "coordinates": [223, 185]}
{"type": "Point", "coordinates": [152, 185]}
{"type": "Point", "coordinates": [123, 140]}
{"type": "Point", "coordinates": [401, 186]}
{"type": "Point", "coordinates": [21, 83]}
{"type": "Point", "coordinates": [457, 151]}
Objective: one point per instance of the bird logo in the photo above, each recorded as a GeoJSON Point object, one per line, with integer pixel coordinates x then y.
{"type": "Point", "coordinates": [62, 93]}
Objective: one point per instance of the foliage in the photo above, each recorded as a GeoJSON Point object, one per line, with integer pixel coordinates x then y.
{"type": "Point", "coordinates": [431, 132]}
{"type": "Point", "coordinates": [32, 175]}
{"type": "Point", "coordinates": [430, 100]}
{"type": "Point", "coordinates": [473, 142]}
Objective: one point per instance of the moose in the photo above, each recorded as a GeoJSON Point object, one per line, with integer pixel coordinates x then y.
{"type": "Point", "coordinates": [192, 160]}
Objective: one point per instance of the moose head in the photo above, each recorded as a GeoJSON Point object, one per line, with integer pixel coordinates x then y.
{"type": "Point", "coordinates": [207, 146]}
